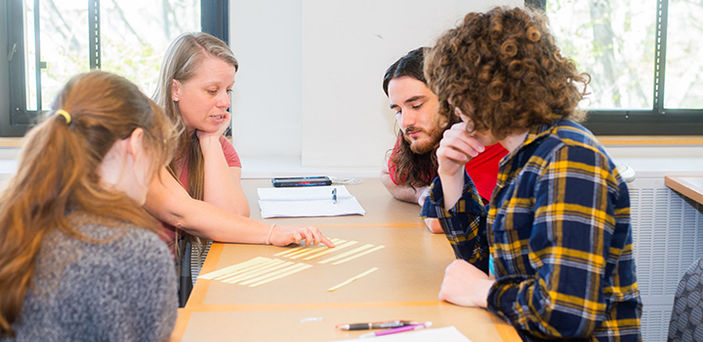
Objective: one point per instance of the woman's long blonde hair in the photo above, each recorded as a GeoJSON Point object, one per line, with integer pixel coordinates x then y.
{"type": "Point", "coordinates": [58, 174]}
{"type": "Point", "coordinates": [182, 58]}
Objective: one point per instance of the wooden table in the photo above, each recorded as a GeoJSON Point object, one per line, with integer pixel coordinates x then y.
{"type": "Point", "coordinates": [299, 307]}
{"type": "Point", "coordinates": [689, 186]}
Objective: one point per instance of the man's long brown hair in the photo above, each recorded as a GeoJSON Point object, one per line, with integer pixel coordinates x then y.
{"type": "Point", "coordinates": [58, 174]}
{"type": "Point", "coordinates": [415, 170]}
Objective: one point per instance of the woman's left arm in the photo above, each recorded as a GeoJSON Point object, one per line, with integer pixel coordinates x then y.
{"type": "Point", "coordinates": [222, 185]}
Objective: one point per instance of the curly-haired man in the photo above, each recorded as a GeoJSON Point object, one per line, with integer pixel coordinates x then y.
{"type": "Point", "coordinates": [557, 229]}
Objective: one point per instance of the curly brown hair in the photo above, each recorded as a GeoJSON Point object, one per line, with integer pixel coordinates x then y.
{"type": "Point", "coordinates": [503, 69]}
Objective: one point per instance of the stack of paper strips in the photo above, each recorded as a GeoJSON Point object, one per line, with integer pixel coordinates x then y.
{"type": "Point", "coordinates": [307, 201]}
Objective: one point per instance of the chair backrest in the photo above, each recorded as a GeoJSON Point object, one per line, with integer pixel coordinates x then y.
{"type": "Point", "coordinates": [686, 322]}
{"type": "Point", "coordinates": [185, 282]}
{"type": "Point", "coordinates": [197, 258]}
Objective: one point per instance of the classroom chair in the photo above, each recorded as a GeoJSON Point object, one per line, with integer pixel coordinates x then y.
{"type": "Point", "coordinates": [687, 315]}
{"type": "Point", "coordinates": [185, 280]}
{"type": "Point", "coordinates": [192, 258]}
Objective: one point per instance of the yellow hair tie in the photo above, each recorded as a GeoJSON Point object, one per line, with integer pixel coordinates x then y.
{"type": "Point", "coordinates": [64, 114]}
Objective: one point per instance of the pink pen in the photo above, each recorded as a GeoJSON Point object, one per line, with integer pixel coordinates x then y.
{"type": "Point", "coordinates": [397, 330]}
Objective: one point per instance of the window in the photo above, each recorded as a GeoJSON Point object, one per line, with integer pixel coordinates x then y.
{"type": "Point", "coordinates": [642, 57]}
{"type": "Point", "coordinates": [50, 40]}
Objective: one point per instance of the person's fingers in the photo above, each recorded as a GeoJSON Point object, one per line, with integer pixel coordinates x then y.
{"type": "Point", "coordinates": [458, 131]}
{"type": "Point", "coordinates": [452, 154]}
{"type": "Point", "coordinates": [327, 242]}
{"type": "Point", "coordinates": [316, 235]}
{"type": "Point", "coordinates": [465, 144]}
{"type": "Point", "coordinates": [297, 237]}
{"type": "Point", "coordinates": [305, 233]}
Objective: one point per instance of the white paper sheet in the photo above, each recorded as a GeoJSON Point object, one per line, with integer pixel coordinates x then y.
{"type": "Point", "coordinates": [307, 201]}
{"type": "Point", "coordinates": [446, 334]}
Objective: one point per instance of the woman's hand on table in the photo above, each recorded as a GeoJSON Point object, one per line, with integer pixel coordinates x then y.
{"type": "Point", "coordinates": [283, 235]}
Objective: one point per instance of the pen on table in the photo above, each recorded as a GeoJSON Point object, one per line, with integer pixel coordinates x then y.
{"type": "Point", "coordinates": [375, 325]}
{"type": "Point", "coordinates": [334, 195]}
{"type": "Point", "coordinates": [397, 330]}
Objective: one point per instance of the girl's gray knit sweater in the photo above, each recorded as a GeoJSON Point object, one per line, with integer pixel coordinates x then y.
{"type": "Point", "coordinates": [123, 289]}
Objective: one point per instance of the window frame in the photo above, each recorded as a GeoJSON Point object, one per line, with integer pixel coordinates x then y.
{"type": "Point", "coordinates": [16, 119]}
{"type": "Point", "coordinates": [655, 121]}
{"type": "Point", "coordinates": [11, 122]}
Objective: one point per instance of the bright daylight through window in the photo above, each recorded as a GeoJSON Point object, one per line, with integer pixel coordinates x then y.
{"type": "Point", "coordinates": [133, 38]}
{"type": "Point", "coordinates": [642, 57]}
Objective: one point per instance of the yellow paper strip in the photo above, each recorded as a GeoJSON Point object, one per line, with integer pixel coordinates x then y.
{"type": "Point", "coordinates": [257, 272]}
{"type": "Point", "coordinates": [358, 255]}
{"type": "Point", "coordinates": [251, 268]}
{"type": "Point", "coordinates": [288, 265]}
{"type": "Point", "coordinates": [289, 252]}
{"type": "Point", "coordinates": [307, 251]}
{"type": "Point", "coordinates": [352, 279]}
{"type": "Point", "coordinates": [229, 269]}
{"type": "Point", "coordinates": [331, 250]}
{"type": "Point", "coordinates": [314, 250]}
{"type": "Point", "coordinates": [248, 269]}
{"type": "Point", "coordinates": [300, 267]}
{"type": "Point", "coordinates": [347, 253]}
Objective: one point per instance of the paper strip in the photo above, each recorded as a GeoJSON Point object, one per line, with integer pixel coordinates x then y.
{"type": "Point", "coordinates": [352, 279]}
{"type": "Point", "coordinates": [229, 269]}
{"type": "Point", "coordinates": [289, 252]}
{"type": "Point", "coordinates": [257, 272]}
{"type": "Point", "coordinates": [301, 267]}
{"type": "Point", "coordinates": [358, 255]}
{"type": "Point", "coordinates": [347, 253]}
{"type": "Point", "coordinates": [331, 250]}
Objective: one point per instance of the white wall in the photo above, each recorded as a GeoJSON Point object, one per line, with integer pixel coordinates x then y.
{"type": "Point", "coordinates": [653, 161]}
{"type": "Point", "coordinates": [309, 85]}
{"type": "Point", "coordinates": [265, 36]}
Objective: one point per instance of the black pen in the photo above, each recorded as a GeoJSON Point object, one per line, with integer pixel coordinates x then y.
{"type": "Point", "coordinates": [374, 325]}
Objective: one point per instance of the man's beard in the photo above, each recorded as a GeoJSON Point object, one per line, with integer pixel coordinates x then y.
{"type": "Point", "coordinates": [423, 146]}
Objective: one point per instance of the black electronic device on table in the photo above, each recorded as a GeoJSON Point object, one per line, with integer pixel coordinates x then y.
{"type": "Point", "coordinates": [280, 182]}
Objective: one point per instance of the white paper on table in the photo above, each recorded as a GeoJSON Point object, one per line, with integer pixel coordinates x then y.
{"type": "Point", "coordinates": [446, 334]}
{"type": "Point", "coordinates": [307, 201]}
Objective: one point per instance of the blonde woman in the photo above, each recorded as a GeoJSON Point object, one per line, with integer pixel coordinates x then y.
{"type": "Point", "coordinates": [79, 257]}
{"type": "Point", "coordinates": [201, 194]}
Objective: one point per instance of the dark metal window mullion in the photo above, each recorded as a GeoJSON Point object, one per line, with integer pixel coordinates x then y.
{"type": "Point", "coordinates": [660, 55]}
{"type": "Point", "coordinates": [214, 18]}
{"type": "Point", "coordinates": [94, 33]}
{"type": "Point", "coordinates": [37, 56]}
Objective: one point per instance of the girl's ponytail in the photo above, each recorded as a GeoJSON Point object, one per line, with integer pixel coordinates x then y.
{"type": "Point", "coordinates": [58, 174]}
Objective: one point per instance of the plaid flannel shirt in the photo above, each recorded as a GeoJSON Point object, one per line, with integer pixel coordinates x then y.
{"type": "Point", "coordinates": [558, 229]}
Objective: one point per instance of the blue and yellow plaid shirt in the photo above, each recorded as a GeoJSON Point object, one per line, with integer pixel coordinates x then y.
{"type": "Point", "coordinates": [558, 230]}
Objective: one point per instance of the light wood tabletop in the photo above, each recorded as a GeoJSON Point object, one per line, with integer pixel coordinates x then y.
{"type": "Point", "coordinates": [238, 296]}
{"type": "Point", "coordinates": [689, 186]}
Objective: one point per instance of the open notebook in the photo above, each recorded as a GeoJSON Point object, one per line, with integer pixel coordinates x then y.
{"type": "Point", "coordinates": [307, 201]}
